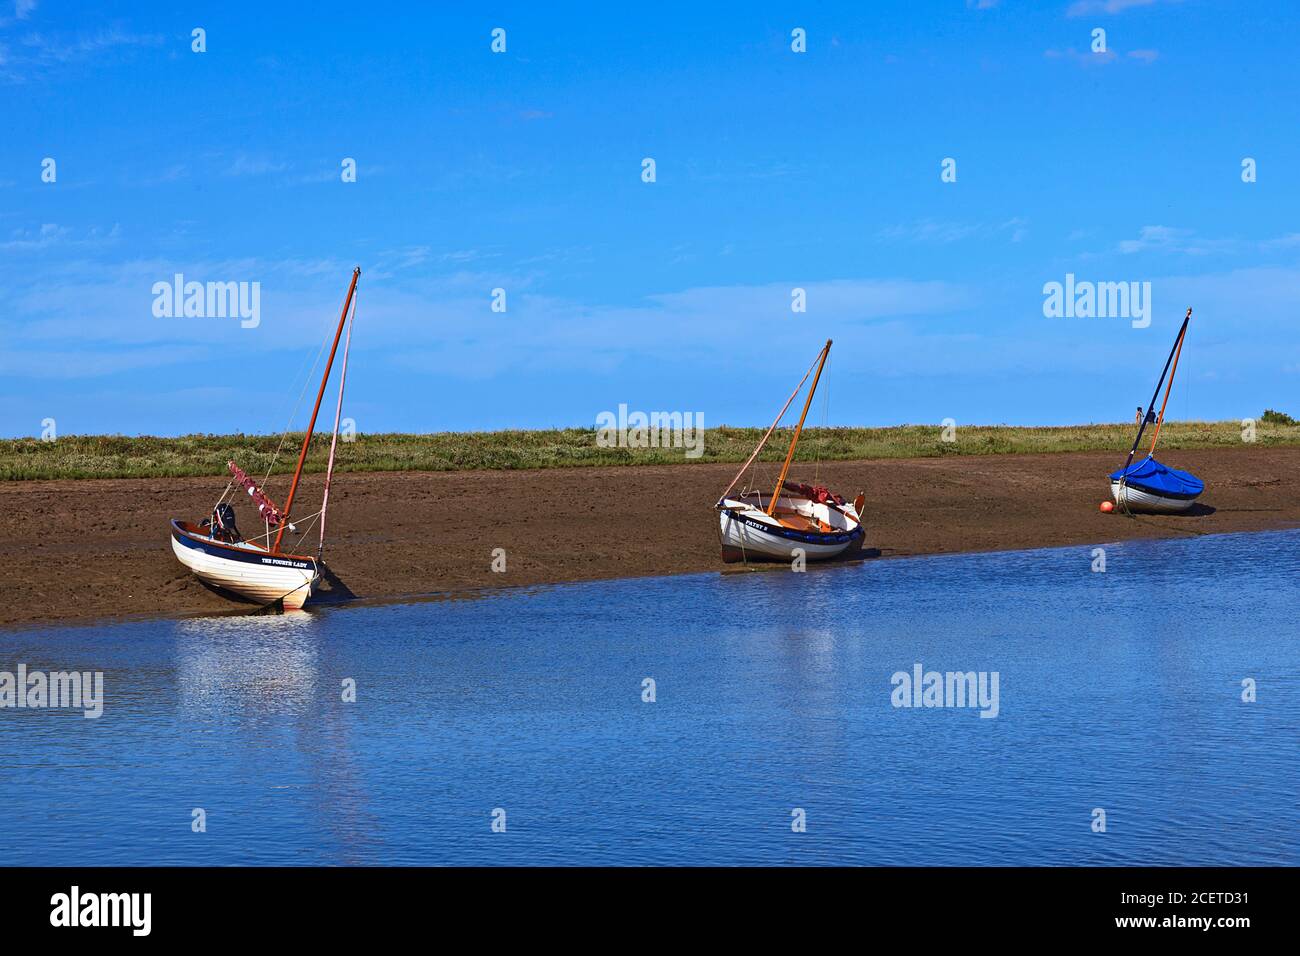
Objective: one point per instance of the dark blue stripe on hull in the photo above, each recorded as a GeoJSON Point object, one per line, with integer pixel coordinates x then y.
{"type": "Point", "coordinates": [239, 554]}
{"type": "Point", "coordinates": [804, 537]}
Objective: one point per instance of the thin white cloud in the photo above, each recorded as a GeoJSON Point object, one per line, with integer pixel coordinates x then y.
{"type": "Point", "coordinates": [35, 55]}
{"type": "Point", "coordinates": [1084, 8]}
{"type": "Point", "coordinates": [22, 10]}
{"type": "Point", "coordinates": [245, 165]}
{"type": "Point", "coordinates": [1085, 59]}
{"type": "Point", "coordinates": [51, 234]}
{"type": "Point", "coordinates": [103, 305]}
{"type": "Point", "coordinates": [173, 173]}
{"type": "Point", "coordinates": [1170, 240]}
{"type": "Point", "coordinates": [944, 232]}
{"type": "Point", "coordinates": [71, 364]}
{"type": "Point", "coordinates": [59, 49]}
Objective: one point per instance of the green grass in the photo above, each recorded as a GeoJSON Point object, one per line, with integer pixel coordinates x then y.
{"type": "Point", "coordinates": [116, 456]}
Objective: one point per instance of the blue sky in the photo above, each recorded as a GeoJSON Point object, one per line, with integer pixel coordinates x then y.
{"type": "Point", "coordinates": [522, 170]}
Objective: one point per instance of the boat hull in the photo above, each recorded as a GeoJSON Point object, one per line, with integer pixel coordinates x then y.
{"type": "Point", "coordinates": [749, 533]}
{"type": "Point", "coordinates": [1132, 498]}
{"type": "Point", "coordinates": [247, 571]}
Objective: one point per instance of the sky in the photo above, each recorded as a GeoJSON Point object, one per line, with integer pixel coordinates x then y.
{"type": "Point", "coordinates": [523, 170]}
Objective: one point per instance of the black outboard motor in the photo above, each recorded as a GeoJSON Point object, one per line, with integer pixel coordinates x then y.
{"type": "Point", "coordinates": [223, 523]}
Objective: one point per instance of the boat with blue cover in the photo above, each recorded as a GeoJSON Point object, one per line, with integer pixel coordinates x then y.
{"type": "Point", "coordinates": [1150, 485]}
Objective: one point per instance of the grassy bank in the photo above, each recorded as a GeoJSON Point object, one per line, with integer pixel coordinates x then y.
{"type": "Point", "coordinates": [112, 456]}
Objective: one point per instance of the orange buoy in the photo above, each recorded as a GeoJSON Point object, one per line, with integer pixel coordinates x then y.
{"type": "Point", "coordinates": [1107, 507]}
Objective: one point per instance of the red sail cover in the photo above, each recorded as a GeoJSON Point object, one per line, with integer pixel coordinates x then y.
{"type": "Point", "coordinates": [265, 508]}
{"type": "Point", "coordinates": [817, 493]}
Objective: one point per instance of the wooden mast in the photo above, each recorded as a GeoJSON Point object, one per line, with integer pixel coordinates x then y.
{"type": "Point", "coordinates": [311, 426]}
{"type": "Point", "coordinates": [780, 482]}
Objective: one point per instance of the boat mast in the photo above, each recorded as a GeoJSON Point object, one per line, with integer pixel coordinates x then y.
{"type": "Point", "coordinates": [1151, 407]}
{"type": "Point", "coordinates": [780, 482]}
{"type": "Point", "coordinates": [311, 426]}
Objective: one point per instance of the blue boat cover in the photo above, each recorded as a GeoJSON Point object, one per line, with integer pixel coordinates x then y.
{"type": "Point", "coordinates": [1150, 475]}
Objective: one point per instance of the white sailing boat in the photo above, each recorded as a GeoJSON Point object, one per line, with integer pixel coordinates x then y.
{"type": "Point", "coordinates": [794, 517]}
{"type": "Point", "coordinates": [257, 568]}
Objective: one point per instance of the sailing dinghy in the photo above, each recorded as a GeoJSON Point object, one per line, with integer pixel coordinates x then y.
{"type": "Point", "coordinates": [1148, 485]}
{"type": "Point", "coordinates": [794, 516]}
{"type": "Point", "coordinates": [258, 568]}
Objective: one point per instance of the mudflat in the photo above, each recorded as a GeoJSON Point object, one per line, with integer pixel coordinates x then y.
{"type": "Point", "coordinates": [80, 550]}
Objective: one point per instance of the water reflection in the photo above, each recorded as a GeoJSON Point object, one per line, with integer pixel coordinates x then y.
{"type": "Point", "coordinates": [266, 663]}
{"type": "Point", "coordinates": [270, 666]}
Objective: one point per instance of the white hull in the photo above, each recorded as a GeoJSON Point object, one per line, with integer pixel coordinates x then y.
{"type": "Point", "coordinates": [1135, 499]}
{"type": "Point", "coordinates": [262, 583]}
{"type": "Point", "coordinates": [748, 532]}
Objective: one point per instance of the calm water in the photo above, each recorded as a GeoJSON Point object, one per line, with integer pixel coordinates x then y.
{"type": "Point", "coordinates": [1117, 690]}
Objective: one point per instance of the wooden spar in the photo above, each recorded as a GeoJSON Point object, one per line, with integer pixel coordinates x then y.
{"type": "Point", "coordinates": [1169, 388]}
{"type": "Point", "coordinates": [334, 441]}
{"type": "Point", "coordinates": [311, 426]}
{"type": "Point", "coordinates": [1154, 395]}
{"type": "Point", "coordinates": [771, 428]}
{"type": "Point", "coordinates": [785, 469]}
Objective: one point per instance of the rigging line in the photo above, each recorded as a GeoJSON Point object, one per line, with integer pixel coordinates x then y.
{"type": "Point", "coordinates": [320, 395]}
{"type": "Point", "coordinates": [826, 412]}
{"type": "Point", "coordinates": [334, 439]}
{"type": "Point", "coordinates": [306, 531]}
{"type": "Point", "coordinates": [229, 485]}
{"type": "Point", "coordinates": [798, 429]}
{"type": "Point", "coordinates": [297, 405]}
{"type": "Point", "coordinates": [267, 534]}
{"type": "Point", "coordinates": [1178, 353]}
{"type": "Point", "coordinates": [772, 427]}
